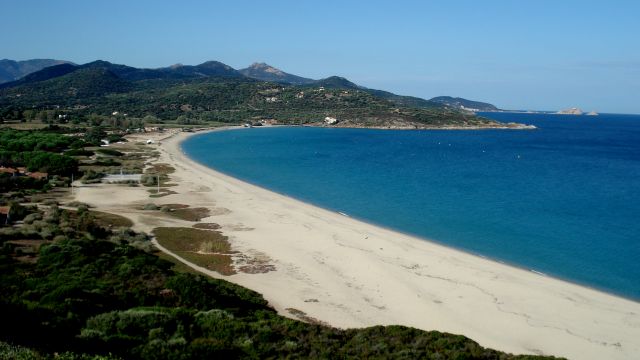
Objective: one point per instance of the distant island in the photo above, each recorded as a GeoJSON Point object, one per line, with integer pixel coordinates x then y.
{"type": "Point", "coordinates": [576, 111]}
{"type": "Point", "coordinates": [570, 111]}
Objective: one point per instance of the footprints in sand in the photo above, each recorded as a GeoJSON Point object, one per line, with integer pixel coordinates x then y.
{"type": "Point", "coordinates": [219, 211]}
{"type": "Point", "coordinates": [253, 262]}
{"type": "Point", "coordinates": [237, 227]}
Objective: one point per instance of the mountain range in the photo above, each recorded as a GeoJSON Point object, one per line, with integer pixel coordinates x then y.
{"type": "Point", "coordinates": [11, 70]}
{"type": "Point", "coordinates": [14, 73]}
{"type": "Point", "coordinates": [213, 91]}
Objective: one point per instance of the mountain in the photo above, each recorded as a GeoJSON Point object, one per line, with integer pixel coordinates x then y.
{"type": "Point", "coordinates": [124, 72]}
{"type": "Point", "coordinates": [336, 82]}
{"type": "Point", "coordinates": [265, 72]}
{"type": "Point", "coordinates": [464, 104]}
{"type": "Point", "coordinates": [80, 84]}
{"type": "Point", "coordinates": [11, 70]}
{"type": "Point", "coordinates": [213, 91]}
{"type": "Point", "coordinates": [206, 69]}
{"type": "Point", "coordinates": [17, 73]}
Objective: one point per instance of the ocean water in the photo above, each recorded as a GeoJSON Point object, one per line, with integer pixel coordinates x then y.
{"type": "Point", "coordinates": [563, 200]}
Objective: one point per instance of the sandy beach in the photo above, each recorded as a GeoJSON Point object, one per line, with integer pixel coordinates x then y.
{"type": "Point", "coordinates": [348, 273]}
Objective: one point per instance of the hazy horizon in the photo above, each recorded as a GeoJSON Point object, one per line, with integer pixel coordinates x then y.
{"type": "Point", "coordinates": [539, 56]}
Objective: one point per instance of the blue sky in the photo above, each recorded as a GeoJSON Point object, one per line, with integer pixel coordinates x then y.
{"type": "Point", "coordinates": [538, 54]}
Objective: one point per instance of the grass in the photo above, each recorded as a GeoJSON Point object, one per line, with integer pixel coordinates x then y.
{"type": "Point", "coordinates": [208, 249]}
{"type": "Point", "coordinates": [178, 266]}
{"type": "Point", "coordinates": [26, 250]}
{"type": "Point", "coordinates": [110, 220]}
{"type": "Point", "coordinates": [206, 226]}
{"type": "Point", "coordinates": [161, 168]}
{"type": "Point", "coordinates": [163, 192]}
{"type": "Point", "coordinates": [184, 212]}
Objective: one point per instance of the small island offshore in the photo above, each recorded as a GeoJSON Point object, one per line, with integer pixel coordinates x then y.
{"type": "Point", "coordinates": [576, 111]}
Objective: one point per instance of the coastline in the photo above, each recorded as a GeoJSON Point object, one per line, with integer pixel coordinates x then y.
{"type": "Point", "coordinates": [349, 273]}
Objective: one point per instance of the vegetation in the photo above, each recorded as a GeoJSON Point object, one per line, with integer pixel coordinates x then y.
{"type": "Point", "coordinates": [118, 96]}
{"type": "Point", "coordinates": [109, 152]}
{"type": "Point", "coordinates": [91, 292]}
{"type": "Point", "coordinates": [208, 249]}
{"type": "Point", "coordinates": [184, 212]}
{"type": "Point", "coordinates": [80, 284]}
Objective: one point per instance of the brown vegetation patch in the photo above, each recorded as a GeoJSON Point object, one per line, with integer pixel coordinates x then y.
{"type": "Point", "coordinates": [161, 168]}
{"type": "Point", "coordinates": [57, 194]}
{"type": "Point", "coordinates": [163, 192]}
{"type": "Point", "coordinates": [258, 264]}
{"type": "Point", "coordinates": [239, 227]}
{"type": "Point", "coordinates": [174, 206]}
{"type": "Point", "coordinates": [178, 266]}
{"type": "Point", "coordinates": [26, 251]}
{"type": "Point", "coordinates": [206, 248]}
{"type": "Point", "coordinates": [110, 220]}
{"type": "Point", "coordinates": [184, 212]}
{"type": "Point", "coordinates": [301, 315]}
{"type": "Point", "coordinates": [206, 226]}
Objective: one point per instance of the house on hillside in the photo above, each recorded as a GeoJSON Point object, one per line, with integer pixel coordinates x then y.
{"type": "Point", "coordinates": [4, 214]}
{"type": "Point", "coordinates": [330, 120]}
{"type": "Point", "coordinates": [6, 170]}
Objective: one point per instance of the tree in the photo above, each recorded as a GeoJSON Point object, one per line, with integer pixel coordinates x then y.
{"type": "Point", "coordinates": [95, 135]}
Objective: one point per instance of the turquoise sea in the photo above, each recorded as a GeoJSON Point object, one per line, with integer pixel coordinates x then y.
{"type": "Point", "coordinates": [563, 200]}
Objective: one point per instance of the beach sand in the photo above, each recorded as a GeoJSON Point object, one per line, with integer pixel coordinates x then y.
{"type": "Point", "coordinates": [348, 273]}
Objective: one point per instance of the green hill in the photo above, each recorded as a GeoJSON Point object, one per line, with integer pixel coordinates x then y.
{"type": "Point", "coordinates": [265, 72]}
{"type": "Point", "coordinates": [72, 88]}
{"type": "Point", "coordinates": [460, 103]}
{"type": "Point", "coordinates": [213, 91]}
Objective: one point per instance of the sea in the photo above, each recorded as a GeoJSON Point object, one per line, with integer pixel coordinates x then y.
{"type": "Point", "coordinates": [562, 200]}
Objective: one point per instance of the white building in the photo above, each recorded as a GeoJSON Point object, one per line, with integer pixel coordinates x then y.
{"type": "Point", "coordinates": [330, 120]}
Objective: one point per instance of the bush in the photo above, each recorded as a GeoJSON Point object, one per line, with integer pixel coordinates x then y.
{"type": "Point", "coordinates": [109, 152]}
{"type": "Point", "coordinates": [151, 206]}
{"type": "Point", "coordinates": [92, 177]}
{"type": "Point", "coordinates": [79, 152]}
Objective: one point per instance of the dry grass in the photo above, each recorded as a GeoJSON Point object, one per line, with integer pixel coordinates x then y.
{"type": "Point", "coordinates": [32, 125]}
{"type": "Point", "coordinates": [110, 220]}
{"type": "Point", "coordinates": [184, 212]}
{"type": "Point", "coordinates": [304, 317]}
{"type": "Point", "coordinates": [174, 206]}
{"type": "Point", "coordinates": [59, 194]}
{"type": "Point", "coordinates": [26, 251]}
{"type": "Point", "coordinates": [178, 266]}
{"type": "Point", "coordinates": [161, 168]}
{"type": "Point", "coordinates": [163, 192]}
{"type": "Point", "coordinates": [206, 226]}
{"type": "Point", "coordinates": [209, 249]}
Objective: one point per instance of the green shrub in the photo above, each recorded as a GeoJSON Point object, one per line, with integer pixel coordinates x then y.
{"type": "Point", "coordinates": [79, 152]}
{"type": "Point", "coordinates": [109, 152]}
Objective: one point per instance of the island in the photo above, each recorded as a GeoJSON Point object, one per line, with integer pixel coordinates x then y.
{"type": "Point", "coordinates": [570, 111]}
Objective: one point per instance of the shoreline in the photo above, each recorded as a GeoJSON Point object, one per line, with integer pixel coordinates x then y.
{"type": "Point", "coordinates": [391, 229]}
{"type": "Point", "coordinates": [348, 273]}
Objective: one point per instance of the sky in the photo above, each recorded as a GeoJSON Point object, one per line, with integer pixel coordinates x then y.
{"type": "Point", "coordinates": [517, 54]}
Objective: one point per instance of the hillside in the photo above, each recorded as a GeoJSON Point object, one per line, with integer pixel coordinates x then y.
{"type": "Point", "coordinates": [213, 91]}
{"type": "Point", "coordinates": [464, 104]}
{"type": "Point", "coordinates": [11, 70]}
{"type": "Point", "coordinates": [265, 72]}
